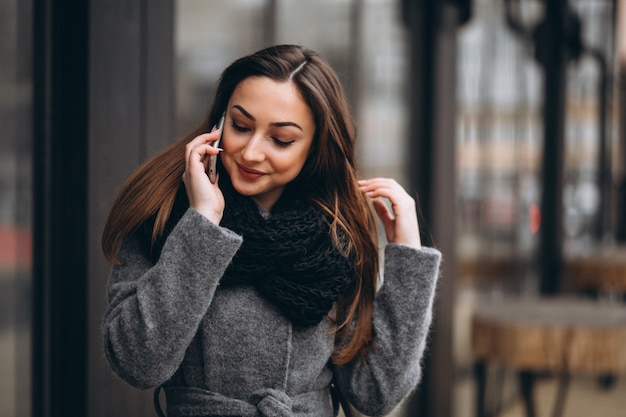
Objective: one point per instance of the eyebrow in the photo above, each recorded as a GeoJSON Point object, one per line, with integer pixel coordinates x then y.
{"type": "Point", "coordinates": [277, 124]}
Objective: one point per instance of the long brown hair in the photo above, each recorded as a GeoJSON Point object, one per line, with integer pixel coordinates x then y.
{"type": "Point", "coordinates": [329, 178]}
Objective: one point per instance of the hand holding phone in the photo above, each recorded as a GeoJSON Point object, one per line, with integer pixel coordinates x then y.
{"type": "Point", "coordinates": [213, 158]}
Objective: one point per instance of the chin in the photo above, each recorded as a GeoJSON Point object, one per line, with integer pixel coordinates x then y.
{"type": "Point", "coordinates": [243, 188]}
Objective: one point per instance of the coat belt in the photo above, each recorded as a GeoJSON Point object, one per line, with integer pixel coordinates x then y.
{"type": "Point", "coordinates": [192, 401]}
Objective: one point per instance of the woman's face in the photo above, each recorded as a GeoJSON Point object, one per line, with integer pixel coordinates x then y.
{"type": "Point", "coordinates": [267, 137]}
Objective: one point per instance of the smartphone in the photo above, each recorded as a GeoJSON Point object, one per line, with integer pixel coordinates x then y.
{"type": "Point", "coordinates": [213, 158]}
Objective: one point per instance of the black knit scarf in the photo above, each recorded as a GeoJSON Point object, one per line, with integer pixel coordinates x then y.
{"type": "Point", "coordinates": [289, 256]}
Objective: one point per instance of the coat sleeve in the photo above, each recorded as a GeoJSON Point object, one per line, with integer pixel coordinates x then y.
{"type": "Point", "coordinates": [154, 310]}
{"type": "Point", "coordinates": [401, 319]}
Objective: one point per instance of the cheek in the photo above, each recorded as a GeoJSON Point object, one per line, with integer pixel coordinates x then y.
{"type": "Point", "coordinates": [229, 148]}
{"type": "Point", "coordinates": [226, 156]}
{"type": "Point", "coordinates": [293, 163]}
{"type": "Point", "coordinates": [226, 144]}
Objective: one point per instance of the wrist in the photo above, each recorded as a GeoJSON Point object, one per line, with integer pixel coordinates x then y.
{"type": "Point", "coordinates": [414, 243]}
{"type": "Point", "coordinates": [210, 213]}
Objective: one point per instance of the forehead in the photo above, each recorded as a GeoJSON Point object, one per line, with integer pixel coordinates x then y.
{"type": "Point", "coordinates": [265, 94]}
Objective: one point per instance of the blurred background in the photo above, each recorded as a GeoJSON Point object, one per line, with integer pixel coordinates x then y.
{"type": "Point", "coordinates": [503, 117]}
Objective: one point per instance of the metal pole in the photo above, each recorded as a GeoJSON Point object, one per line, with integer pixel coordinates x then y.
{"type": "Point", "coordinates": [553, 57]}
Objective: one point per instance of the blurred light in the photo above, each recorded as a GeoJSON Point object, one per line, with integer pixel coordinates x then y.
{"type": "Point", "coordinates": [535, 218]}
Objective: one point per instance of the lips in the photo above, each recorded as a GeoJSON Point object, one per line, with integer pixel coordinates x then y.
{"type": "Point", "coordinates": [249, 173]}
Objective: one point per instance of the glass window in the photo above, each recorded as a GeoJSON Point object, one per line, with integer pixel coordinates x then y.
{"type": "Point", "coordinates": [209, 36]}
{"type": "Point", "coordinates": [363, 40]}
{"type": "Point", "coordinates": [588, 218]}
{"type": "Point", "coordinates": [499, 128]}
{"type": "Point", "coordinates": [15, 207]}
{"type": "Point", "coordinates": [499, 158]}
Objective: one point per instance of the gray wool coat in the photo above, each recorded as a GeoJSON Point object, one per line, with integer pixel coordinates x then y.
{"type": "Point", "coordinates": [227, 351]}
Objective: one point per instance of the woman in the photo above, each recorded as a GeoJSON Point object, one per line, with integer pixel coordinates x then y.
{"type": "Point", "coordinates": [257, 295]}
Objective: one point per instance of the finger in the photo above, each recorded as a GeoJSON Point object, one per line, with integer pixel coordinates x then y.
{"type": "Point", "coordinates": [398, 198]}
{"type": "Point", "coordinates": [202, 139]}
{"type": "Point", "coordinates": [198, 152]}
{"type": "Point", "coordinates": [377, 182]}
{"type": "Point", "coordinates": [380, 187]}
{"type": "Point", "coordinates": [399, 220]}
{"type": "Point", "coordinates": [382, 210]}
{"type": "Point", "coordinates": [205, 137]}
{"type": "Point", "coordinates": [385, 217]}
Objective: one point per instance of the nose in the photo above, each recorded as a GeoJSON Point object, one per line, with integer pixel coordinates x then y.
{"type": "Point", "coordinates": [253, 150]}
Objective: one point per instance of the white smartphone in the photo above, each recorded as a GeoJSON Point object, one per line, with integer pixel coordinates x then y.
{"type": "Point", "coordinates": [213, 158]}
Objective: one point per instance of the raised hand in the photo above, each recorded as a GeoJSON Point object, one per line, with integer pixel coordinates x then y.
{"type": "Point", "coordinates": [400, 223]}
{"type": "Point", "coordinates": [203, 196]}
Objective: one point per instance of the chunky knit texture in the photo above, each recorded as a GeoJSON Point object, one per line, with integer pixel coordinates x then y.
{"type": "Point", "coordinates": [229, 351]}
{"type": "Point", "coordinates": [289, 256]}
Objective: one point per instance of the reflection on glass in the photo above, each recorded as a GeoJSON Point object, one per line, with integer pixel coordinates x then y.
{"type": "Point", "coordinates": [584, 194]}
{"type": "Point", "coordinates": [498, 137]}
{"type": "Point", "coordinates": [208, 36]}
{"type": "Point", "coordinates": [499, 141]}
{"type": "Point", "coordinates": [15, 208]}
